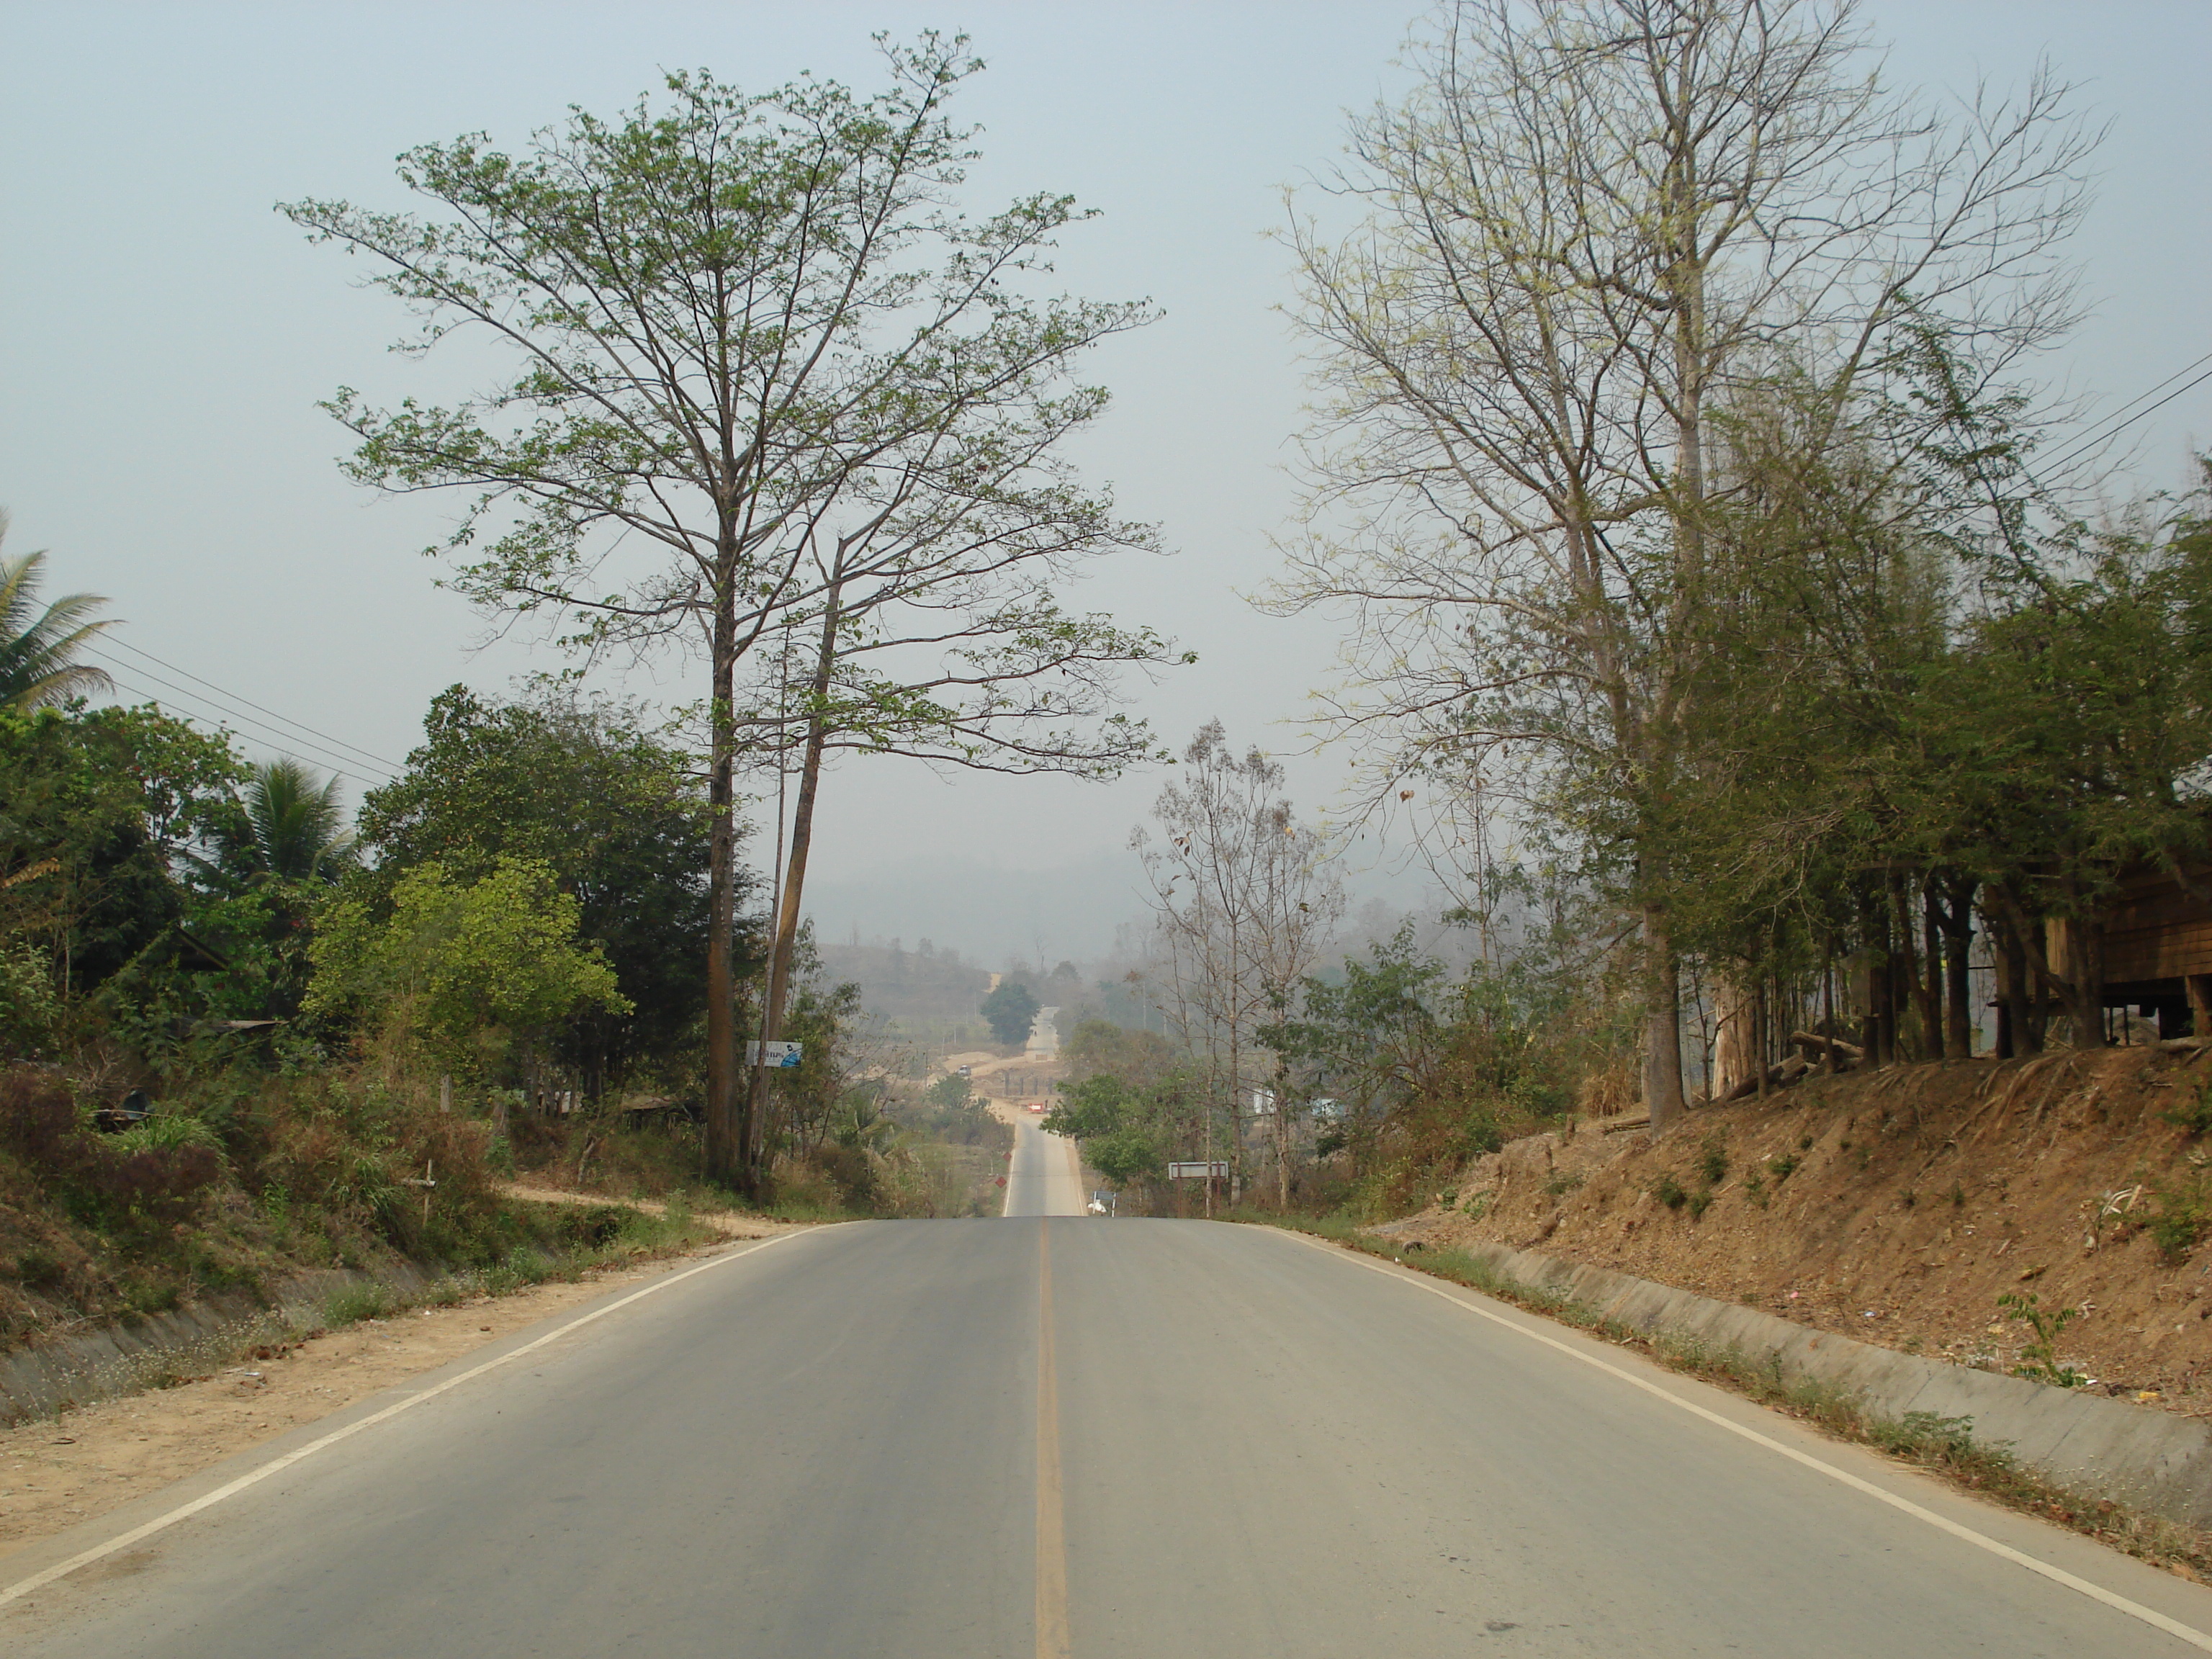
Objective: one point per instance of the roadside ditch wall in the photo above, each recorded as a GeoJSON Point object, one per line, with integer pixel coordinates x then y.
{"type": "Point", "coordinates": [2090, 1445]}
{"type": "Point", "coordinates": [146, 1350]}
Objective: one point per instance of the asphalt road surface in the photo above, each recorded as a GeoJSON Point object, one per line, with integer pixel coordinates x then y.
{"type": "Point", "coordinates": [1045, 1177]}
{"type": "Point", "coordinates": [949, 1440]}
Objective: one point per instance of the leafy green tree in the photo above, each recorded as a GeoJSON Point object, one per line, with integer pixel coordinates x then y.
{"type": "Point", "coordinates": [476, 967]}
{"type": "Point", "coordinates": [1121, 1129]}
{"type": "Point", "coordinates": [614, 814]}
{"type": "Point", "coordinates": [39, 646]}
{"type": "Point", "coordinates": [1009, 1010]}
{"type": "Point", "coordinates": [29, 1011]}
{"type": "Point", "coordinates": [2086, 702]}
{"type": "Point", "coordinates": [112, 822]}
{"type": "Point", "coordinates": [743, 324]}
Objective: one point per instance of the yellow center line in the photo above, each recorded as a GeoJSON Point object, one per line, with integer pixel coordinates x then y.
{"type": "Point", "coordinates": [1052, 1641]}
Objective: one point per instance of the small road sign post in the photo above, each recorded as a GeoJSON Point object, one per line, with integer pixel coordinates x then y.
{"type": "Point", "coordinates": [1216, 1170]}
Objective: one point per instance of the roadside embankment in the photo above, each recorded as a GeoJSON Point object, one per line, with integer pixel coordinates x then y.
{"type": "Point", "coordinates": [111, 1358]}
{"type": "Point", "coordinates": [2000, 1270]}
{"type": "Point", "coordinates": [2048, 1214]}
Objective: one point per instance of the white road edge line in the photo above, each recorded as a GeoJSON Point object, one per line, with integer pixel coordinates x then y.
{"type": "Point", "coordinates": [231, 1489]}
{"type": "Point", "coordinates": [2157, 1621]}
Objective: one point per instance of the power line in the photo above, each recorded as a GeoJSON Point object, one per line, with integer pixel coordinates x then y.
{"type": "Point", "coordinates": [2097, 435]}
{"type": "Point", "coordinates": [103, 639]}
{"type": "Point", "coordinates": [265, 733]}
{"type": "Point", "coordinates": [199, 702]}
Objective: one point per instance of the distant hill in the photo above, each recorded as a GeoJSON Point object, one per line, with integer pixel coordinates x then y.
{"type": "Point", "coordinates": [991, 914]}
{"type": "Point", "coordinates": [924, 983]}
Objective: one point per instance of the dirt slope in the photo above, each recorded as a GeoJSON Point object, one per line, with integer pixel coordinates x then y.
{"type": "Point", "coordinates": [1898, 1206]}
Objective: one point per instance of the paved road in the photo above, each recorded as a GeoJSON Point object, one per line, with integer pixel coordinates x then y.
{"type": "Point", "coordinates": [952, 1440]}
{"type": "Point", "coordinates": [1045, 1177]}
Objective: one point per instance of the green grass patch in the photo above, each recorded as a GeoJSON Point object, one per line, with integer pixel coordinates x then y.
{"type": "Point", "coordinates": [358, 1302]}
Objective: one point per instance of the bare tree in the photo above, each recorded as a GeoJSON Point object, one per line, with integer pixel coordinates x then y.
{"type": "Point", "coordinates": [1244, 902]}
{"type": "Point", "coordinates": [734, 318]}
{"type": "Point", "coordinates": [1592, 222]}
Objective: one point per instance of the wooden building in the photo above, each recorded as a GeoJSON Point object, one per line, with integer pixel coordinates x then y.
{"type": "Point", "coordinates": [2157, 947]}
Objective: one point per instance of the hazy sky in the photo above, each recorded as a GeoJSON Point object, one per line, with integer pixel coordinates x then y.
{"type": "Point", "coordinates": [164, 335]}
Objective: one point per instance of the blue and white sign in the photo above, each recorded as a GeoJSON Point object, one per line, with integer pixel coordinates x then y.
{"type": "Point", "coordinates": [781, 1055]}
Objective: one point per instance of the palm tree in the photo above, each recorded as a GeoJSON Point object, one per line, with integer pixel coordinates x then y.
{"type": "Point", "coordinates": [295, 829]}
{"type": "Point", "coordinates": [38, 647]}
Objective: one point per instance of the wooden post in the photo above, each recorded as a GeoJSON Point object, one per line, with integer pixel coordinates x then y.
{"type": "Point", "coordinates": [2002, 954]}
{"type": "Point", "coordinates": [445, 1094]}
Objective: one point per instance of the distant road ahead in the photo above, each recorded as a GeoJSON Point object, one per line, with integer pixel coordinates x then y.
{"type": "Point", "coordinates": [1039, 1439]}
{"type": "Point", "coordinates": [1045, 1177]}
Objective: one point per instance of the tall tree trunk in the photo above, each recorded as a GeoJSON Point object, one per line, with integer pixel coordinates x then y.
{"type": "Point", "coordinates": [2080, 975]}
{"type": "Point", "coordinates": [1735, 1039]}
{"type": "Point", "coordinates": [1828, 1003]}
{"type": "Point", "coordinates": [1875, 1024]}
{"type": "Point", "coordinates": [794, 869]}
{"type": "Point", "coordinates": [1957, 942]}
{"type": "Point", "coordinates": [727, 1125]}
{"type": "Point", "coordinates": [1759, 1017]}
{"type": "Point", "coordinates": [1663, 1028]}
{"type": "Point", "coordinates": [2023, 1017]}
{"type": "Point", "coordinates": [1927, 987]}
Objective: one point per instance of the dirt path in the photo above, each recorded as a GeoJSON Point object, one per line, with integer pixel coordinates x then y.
{"type": "Point", "coordinates": [55, 1474]}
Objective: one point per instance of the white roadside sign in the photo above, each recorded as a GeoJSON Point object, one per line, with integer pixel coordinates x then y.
{"type": "Point", "coordinates": [780, 1055]}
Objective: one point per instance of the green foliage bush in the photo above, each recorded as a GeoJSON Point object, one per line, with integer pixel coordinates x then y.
{"type": "Point", "coordinates": [356, 1303]}
{"type": "Point", "coordinates": [2183, 1215]}
{"type": "Point", "coordinates": [462, 960]}
{"type": "Point", "coordinates": [2191, 1112]}
{"type": "Point", "coordinates": [1713, 1162]}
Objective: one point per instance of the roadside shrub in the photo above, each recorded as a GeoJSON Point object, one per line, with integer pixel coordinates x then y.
{"type": "Point", "coordinates": [161, 1185]}
{"type": "Point", "coordinates": [38, 1123]}
{"type": "Point", "coordinates": [1670, 1192]}
{"type": "Point", "coordinates": [169, 1132]}
{"type": "Point", "coordinates": [146, 1175]}
{"type": "Point", "coordinates": [2183, 1218]}
{"type": "Point", "coordinates": [2192, 1112]}
{"type": "Point", "coordinates": [1713, 1163]}
{"type": "Point", "coordinates": [356, 1303]}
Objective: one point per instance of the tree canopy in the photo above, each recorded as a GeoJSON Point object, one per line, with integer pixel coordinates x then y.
{"type": "Point", "coordinates": [614, 814]}
{"type": "Point", "coordinates": [1009, 1010]}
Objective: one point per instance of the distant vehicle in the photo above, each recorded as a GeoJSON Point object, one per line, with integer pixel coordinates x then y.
{"type": "Point", "coordinates": [1036, 1106]}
